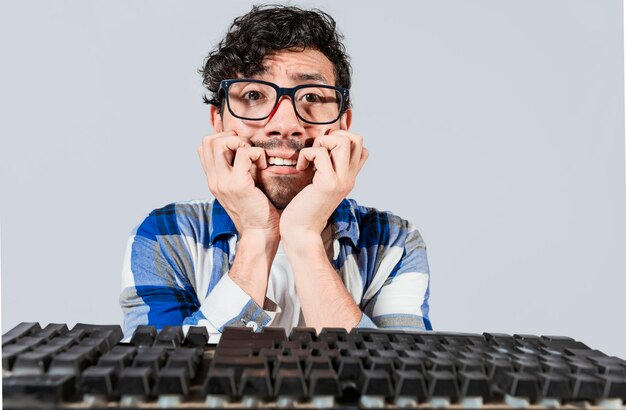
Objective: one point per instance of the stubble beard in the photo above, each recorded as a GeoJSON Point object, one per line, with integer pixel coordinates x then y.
{"type": "Point", "coordinates": [281, 189]}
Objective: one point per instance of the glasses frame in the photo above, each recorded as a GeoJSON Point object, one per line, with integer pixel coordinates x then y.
{"type": "Point", "coordinates": [290, 92]}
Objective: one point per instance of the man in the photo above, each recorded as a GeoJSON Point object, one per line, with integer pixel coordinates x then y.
{"type": "Point", "coordinates": [280, 245]}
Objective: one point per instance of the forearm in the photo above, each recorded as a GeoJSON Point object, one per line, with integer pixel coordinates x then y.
{"type": "Point", "coordinates": [324, 299]}
{"type": "Point", "coordinates": [253, 260]}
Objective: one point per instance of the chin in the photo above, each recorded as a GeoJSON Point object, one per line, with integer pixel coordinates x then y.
{"type": "Point", "coordinates": [280, 197]}
{"type": "Point", "coordinates": [280, 190]}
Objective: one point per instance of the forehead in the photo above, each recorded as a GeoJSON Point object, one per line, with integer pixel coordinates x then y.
{"type": "Point", "coordinates": [285, 66]}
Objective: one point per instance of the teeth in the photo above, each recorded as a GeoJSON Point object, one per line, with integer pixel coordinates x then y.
{"type": "Point", "coordinates": [280, 161]}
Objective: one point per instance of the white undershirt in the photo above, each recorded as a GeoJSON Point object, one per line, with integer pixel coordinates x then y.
{"type": "Point", "coordinates": [281, 287]}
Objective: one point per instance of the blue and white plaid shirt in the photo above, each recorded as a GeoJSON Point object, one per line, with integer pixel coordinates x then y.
{"type": "Point", "coordinates": [177, 260]}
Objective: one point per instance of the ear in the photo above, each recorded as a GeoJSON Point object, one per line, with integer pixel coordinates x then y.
{"type": "Point", "coordinates": [346, 120]}
{"type": "Point", "coordinates": [216, 119]}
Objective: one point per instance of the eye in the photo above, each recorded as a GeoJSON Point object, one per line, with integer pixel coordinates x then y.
{"type": "Point", "coordinates": [311, 98]}
{"type": "Point", "coordinates": [253, 95]}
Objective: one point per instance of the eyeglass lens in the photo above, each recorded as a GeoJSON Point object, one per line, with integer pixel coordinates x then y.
{"type": "Point", "coordinates": [252, 101]}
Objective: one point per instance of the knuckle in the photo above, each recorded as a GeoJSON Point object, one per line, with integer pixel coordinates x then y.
{"type": "Point", "coordinates": [333, 184]}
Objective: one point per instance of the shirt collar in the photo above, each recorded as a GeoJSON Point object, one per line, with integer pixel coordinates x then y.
{"type": "Point", "coordinates": [343, 221]}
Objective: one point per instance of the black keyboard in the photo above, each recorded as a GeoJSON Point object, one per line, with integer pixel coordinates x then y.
{"type": "Point", "coordinates": [89, 367]}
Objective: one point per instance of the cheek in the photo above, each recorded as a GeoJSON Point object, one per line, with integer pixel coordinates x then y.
{"type": "Point", "coordinates": [240, 127]}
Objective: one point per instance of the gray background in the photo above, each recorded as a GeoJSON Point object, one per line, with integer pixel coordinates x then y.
{"type": "Point", "coordinates": [497, 127]}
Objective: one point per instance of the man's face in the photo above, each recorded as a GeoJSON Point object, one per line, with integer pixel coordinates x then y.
{"type": "Point", "coordinates": [283, 134]}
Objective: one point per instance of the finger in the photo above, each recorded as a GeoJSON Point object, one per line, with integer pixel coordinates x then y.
{"type": "Point", "coordinates": [364, 156]}
{"type": "Point", "coordinates": [224, 151]}
{"type": "Point", "coordinates": [356, 152]}
{"type": "Point", "coordinates": [319, 157]}
{"type": "Point", "coordinates": [207, 142]}
{"type": "Point", "coordinates": [201, 156]}
{"type": "Point", "coordinates": [339, 149]}
{"type": "Point", "coordinates": [206, 159]}
{"type": "Point", "coordinates": [246, 156]}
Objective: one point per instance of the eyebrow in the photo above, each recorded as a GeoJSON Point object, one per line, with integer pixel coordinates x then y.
{"type": "Point", "coordinates": [319, 77]}
{"type": "Point", "coordinates": [310, 77]}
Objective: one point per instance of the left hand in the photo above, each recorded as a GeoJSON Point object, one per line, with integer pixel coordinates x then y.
{"type": "Point", "coordinates": [338, 157]}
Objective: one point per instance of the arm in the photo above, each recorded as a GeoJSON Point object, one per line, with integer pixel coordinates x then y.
{"type": "Point", "coordinates": [157, 288]}
{"type": "Point", "coordinates": [398, 297]}
{"type": "Point", "coordinates": [161, 286]}
{"type": "Point", "coordinates": [324, 299]}
{"type": "Point", "coordinates": [338, 157]}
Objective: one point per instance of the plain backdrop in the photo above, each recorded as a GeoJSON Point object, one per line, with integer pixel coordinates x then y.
{"type": "Point", "coordinates": [497, 127]}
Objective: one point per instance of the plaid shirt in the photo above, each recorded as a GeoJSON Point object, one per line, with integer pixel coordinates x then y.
{"type": "Point", "coordinates": [177, 260]}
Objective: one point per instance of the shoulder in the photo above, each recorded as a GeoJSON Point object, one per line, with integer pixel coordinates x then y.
{"type": "Point", "coordinates": [383, 228]}
{"type": "Point", "coordinates": [177, 218]}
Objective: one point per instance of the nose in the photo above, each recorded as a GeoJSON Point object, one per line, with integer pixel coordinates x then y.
{"type": "Point", "coordinates": [283, 121]}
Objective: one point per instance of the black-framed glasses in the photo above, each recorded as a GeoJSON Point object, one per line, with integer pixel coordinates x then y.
{"type": "Point", "coordinates": [256, 99]}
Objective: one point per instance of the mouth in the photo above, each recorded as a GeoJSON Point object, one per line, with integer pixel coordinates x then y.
{"type": "Point", "coordinates": [287, 159]}
{"type": "Point", "coordinates": [281, 162]}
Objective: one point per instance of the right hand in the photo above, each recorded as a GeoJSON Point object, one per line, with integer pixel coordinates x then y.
{"type": "Point", "coordinates": [226, 159]}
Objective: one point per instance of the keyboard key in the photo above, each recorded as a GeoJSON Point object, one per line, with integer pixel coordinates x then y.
{"type": "Point", "coordinates": [586, 387]}
{"type": "Point", "coordinates": [470, 365]}
{"type": "Point", "coordinates": [442, 384]}
{"type": "Point", "coordinates": [474, 384]}
{"type": "Point", "coordinates": [153, 357]}
{"type": "Point", "coordinates": [317, 363]}
{"type": "Point", "coordinates": [324, 382]}
{"type": "Point", "coordinates": [52, 330]}
{"type": "Point", "coordinates": [555, 386]}
{"type": "Point", "coordinates": [10, 354]}
{"type": "Point", "coordinates": [197, 336]}
{"type": "Point", "coordinates": [100, 344]}
{"type": "Point", "coordinates": [239, 364]}
{"type": "Point", "coordinates": [144, 335]}
{"type": "Point", "coordinates": [556, 367]}
{"type": "Point", "coordinates": [70, 363]}
{"type": "Point", "coordinates": [613, 387]}
{"type": "Point", "coordinates": [30, 342]}
{"type": "Point", "coordinates": [48, 388]}
{"type": "Point", "coordinates": [172, 380]}
{"type": "Point", "coordinates": [117, 360]}
{"type": "Point", "coordinates": [410, 383]}
{"type": "Point", "coordinates": [524, 385]}
{"type": "Point", "coordinates": [32, 363]}
{"type": "Point", "coordinates": [170, 337]}
{"type": "Point", "coordinates": [380, 363]}
{"type": "Point", "coordinates": [99, 381]}
{"type": "Point", "coordinates": [376, 383]}
{"type": "Point", "coordinates": [255, 383]}
{"type": "Point", "coordinates": [20, 331]}
{"type": "Point", "coordinates": [185, 357]}
{"type": "Point", "coordinates": [112, 333]}
{"type": "Point", "coordinates": [136, 381]}
{"type": "Point", "coordinates": [64, 342]}
{"type": "Point", "coordinates": [290, 383]}
{"type": "Point", "coordinates": [221, 382]}
{"type": "Point", "coordinates": [303, 334]}
{"type": "Point", "coordinates": [276, 334]}
{"type": "Point", "coordinates": [349, 368]}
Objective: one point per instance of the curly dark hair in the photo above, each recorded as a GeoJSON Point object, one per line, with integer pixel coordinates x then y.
{"type": "Point", "coordinates": [266, 29]}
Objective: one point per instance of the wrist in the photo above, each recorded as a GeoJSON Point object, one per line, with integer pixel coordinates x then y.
{"type": "Point", "coordinates": [300, 238]}
{"type": "Point", "coordinates": [304, 246]}
{"type": "Point", "coordinates": [259, 236]}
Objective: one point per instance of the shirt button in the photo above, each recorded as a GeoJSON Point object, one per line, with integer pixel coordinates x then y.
{"type": "Point", "coordinates": [253, 325]}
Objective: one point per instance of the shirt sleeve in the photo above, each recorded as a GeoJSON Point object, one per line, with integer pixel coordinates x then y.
{"type": "Point", "coordinates": [400, 300]}
{"type": "Point", "coordinates": [159, 283]}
